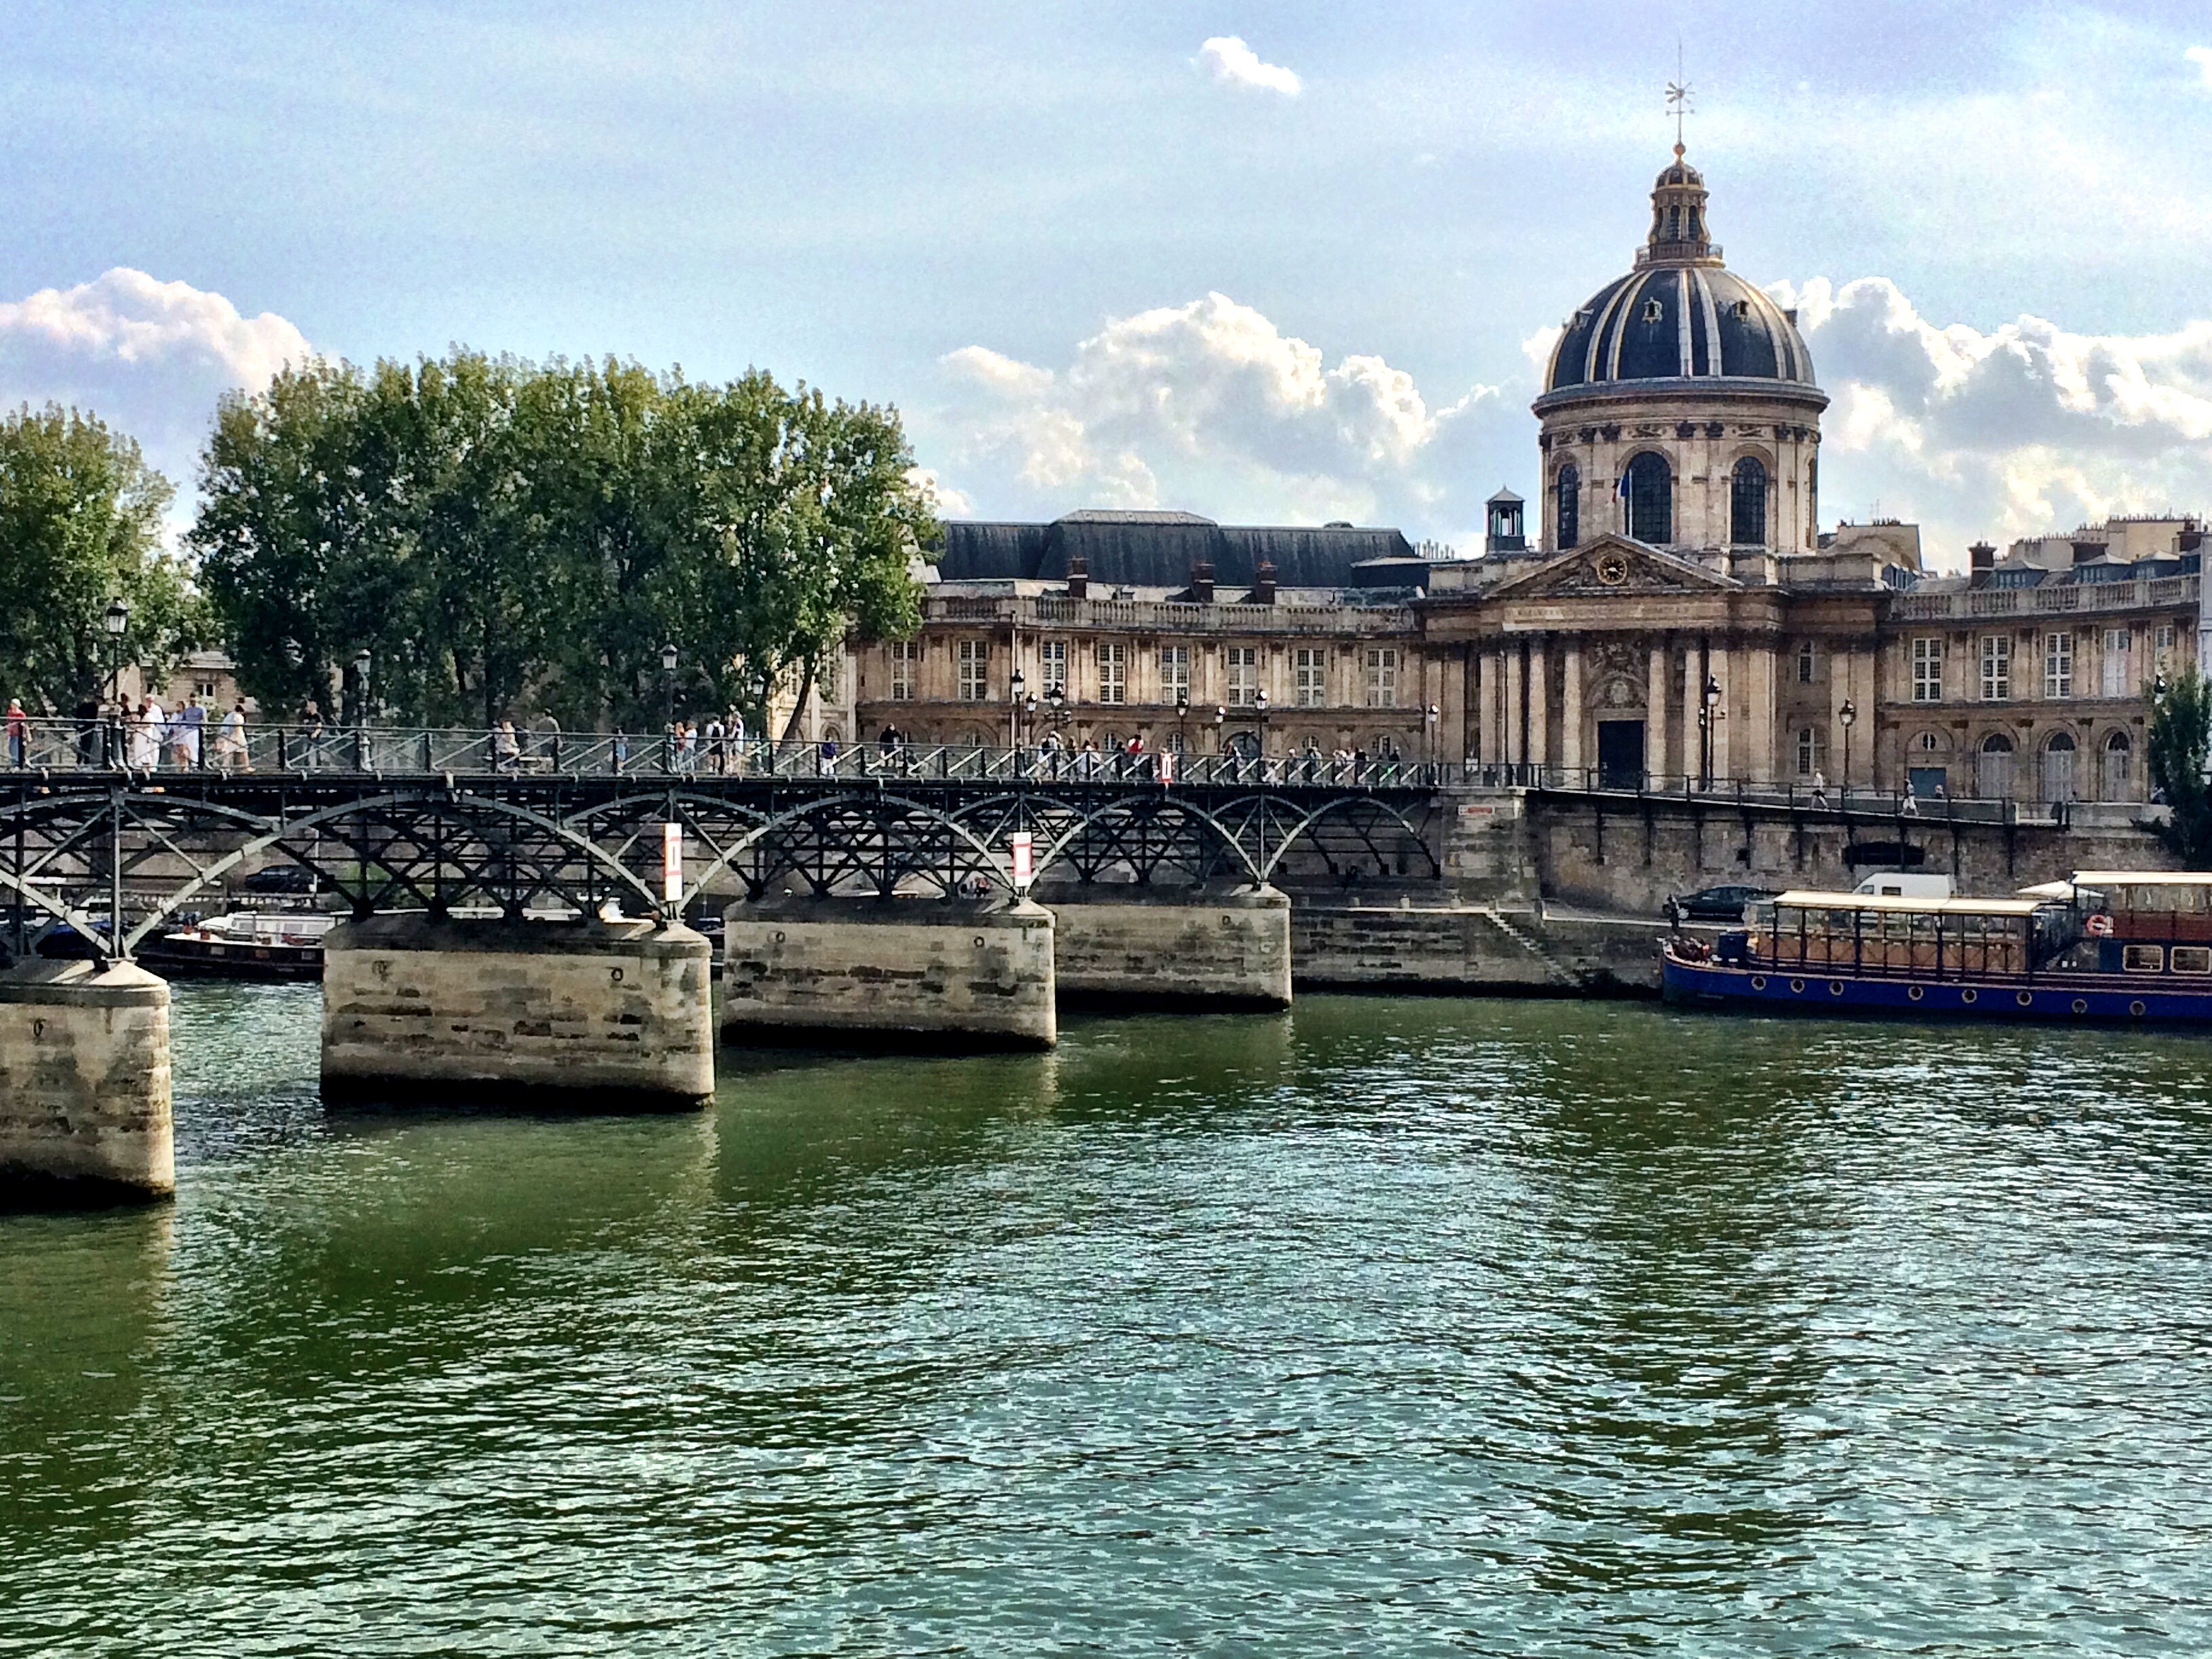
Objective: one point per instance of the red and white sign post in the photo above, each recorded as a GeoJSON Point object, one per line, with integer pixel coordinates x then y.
{"type": "Point", "coordinates": [672, 863]}
{"type": "Point", "coordinates": [1020, 845]}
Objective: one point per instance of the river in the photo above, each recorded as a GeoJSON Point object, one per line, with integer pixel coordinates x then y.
{"type": "Point", "coordinates": [1387, 1327]}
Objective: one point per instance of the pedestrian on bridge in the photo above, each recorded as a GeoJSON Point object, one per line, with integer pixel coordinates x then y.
{"type": "Point", "coordinates": [19, 733]}
{"type": "Point", "coordinates": [506, 748]}
{"type": "Point", "coordinates": [231, 743]}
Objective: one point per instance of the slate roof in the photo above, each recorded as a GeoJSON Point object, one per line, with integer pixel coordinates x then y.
{"type": "Point", "coordinates": [1678, 322]}
{"type": "Point", "coordinates": [1158, 549]}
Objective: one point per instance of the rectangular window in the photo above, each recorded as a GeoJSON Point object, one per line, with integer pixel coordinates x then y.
{"type": "Point", "coordinates": [1381, 677]}
{"type": "Point", "coordinates": [1243, 676]}
{"type": "Point", "coordinates": [975, 670]}
{"type": "Point", "coordinates": [2165, 639]}
{"type": "Point", "coordinates": [1113, 671]}
{"type": "Point", "coordinates": [1052, 667]}
{"type": "Point", "coordinates": [2118, 670]}
{"type": "Point", "coordinates": [1808, 750]}
{"type": "Point", "coordinates": [1175, 672]}
{"type": "Point", "coordinates": [1805, 663]}
{"type": "Point", "coordinates": [904, 652]}
{"type": "Point", "coordinates": [1312, 669]}
{"type": "Point", "coordinates": [2190, 959]}
{"type": "Point", "coordinates": [2144, 958]}
{"type": "Point", "coordinates": [2059, 665]}
{"type": "Point", "coordinates": [1996, 667]}
{"type": "Point", "coordinates": [1928, 671]}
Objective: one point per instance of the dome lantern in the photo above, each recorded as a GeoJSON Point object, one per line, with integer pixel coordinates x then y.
{"type": "Point", "coordinates": [1679, 235]}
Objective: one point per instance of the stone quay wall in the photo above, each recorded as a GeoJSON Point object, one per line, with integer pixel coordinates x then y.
{"type": "Point", "coordinates": [1462, 949]}
{"type": "Point", "coordinates": [84, 1080]}
{"type": "Point", "coordinates": [615, 1013]}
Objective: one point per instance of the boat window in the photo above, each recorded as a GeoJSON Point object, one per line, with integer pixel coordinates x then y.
{"type": "Point", "coordinates": [2190, 959]}
{"type": "Point", "coordinates": [2144, 958]}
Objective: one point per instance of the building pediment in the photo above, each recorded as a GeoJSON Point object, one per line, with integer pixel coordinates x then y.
{"type": "Point", "coordinates": [1613, 566]}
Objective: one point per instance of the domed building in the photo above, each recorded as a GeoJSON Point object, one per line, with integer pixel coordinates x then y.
{"type": "Point", "coordinates": [1680, 407]}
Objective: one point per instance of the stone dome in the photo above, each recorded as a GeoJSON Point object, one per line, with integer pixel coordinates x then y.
{"type": "Point", "coordinates": [1680, 315]}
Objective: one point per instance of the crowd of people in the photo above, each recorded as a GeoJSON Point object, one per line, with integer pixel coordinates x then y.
{"type": "Point", "coordinates": [139, 733]}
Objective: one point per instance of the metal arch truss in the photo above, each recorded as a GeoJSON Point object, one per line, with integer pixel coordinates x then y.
{"type": "Point", "coordinates": [82, 853]}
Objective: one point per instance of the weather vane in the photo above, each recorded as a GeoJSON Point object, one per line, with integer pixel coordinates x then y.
{"type": "Point", "coordinates": [1677, 99]}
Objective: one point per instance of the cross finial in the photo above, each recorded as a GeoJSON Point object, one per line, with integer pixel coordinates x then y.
{"type": "Point", "coordinates": [1677, 99]}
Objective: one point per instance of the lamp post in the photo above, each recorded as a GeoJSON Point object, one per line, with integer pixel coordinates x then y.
{"type": "Point", "coordinates": [1015, 686]}
{"type": "Point", "coordinates": [1182, 715]}
{"type": "Point", "coordinates": [1708, 712]}
{"type": "Point", "coordinates": [668, 707]}
{"type": "Point", "coordinates": [1220, 721]}
{"type": "Point", "coordinates": [1429, 735]}
{"type": "Point", "coordinates": [116, 621]}
{"type": "Point", "coordinates": [1848, 714]}
{"type": "Point", "coordinates": [1260, 702]}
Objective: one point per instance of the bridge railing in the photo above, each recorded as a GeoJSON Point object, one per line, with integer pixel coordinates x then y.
{"type": "Point", "coordinates": [172, 746]}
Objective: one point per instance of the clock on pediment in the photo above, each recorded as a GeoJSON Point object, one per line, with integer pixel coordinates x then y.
{"type": "Point", "coordinates": [1611, 569]}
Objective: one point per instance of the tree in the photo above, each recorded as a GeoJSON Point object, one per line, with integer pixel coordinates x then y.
{"type": "Point", "coordinates": [81, 515]}
{"type": "Point", "coordinates": [493, 530]}
{"type": "Point", "coordinates": [2180, 737]}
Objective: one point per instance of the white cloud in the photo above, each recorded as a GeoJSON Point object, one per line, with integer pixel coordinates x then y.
{"type": "Point", "coordinates": [2023, 428]}
{"type": "Point", "coordinates": [1231, 63]}
{"type": "Point", "coordinates": [950, 503]}
{"type": "Point", "coordinates": [1209, 406]}
{"type": "Point", "coordinates": [149, 357]}
{"type": "Point", "coordinates": [2202, 56]}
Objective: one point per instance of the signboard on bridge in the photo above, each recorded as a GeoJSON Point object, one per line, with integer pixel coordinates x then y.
{"type": "Point", "coordinates": [1021, 845]}
{"type": "Point", "coordinates": [671, 862]}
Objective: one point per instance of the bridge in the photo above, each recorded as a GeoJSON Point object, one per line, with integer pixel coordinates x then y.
{"type": "Point", "coordinates": [519, 909]}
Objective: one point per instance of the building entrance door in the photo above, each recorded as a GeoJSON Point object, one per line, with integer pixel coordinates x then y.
{"type": "Point", "coordinates": [1620, 754]}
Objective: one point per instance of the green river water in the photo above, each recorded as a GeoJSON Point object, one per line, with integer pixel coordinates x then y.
{"type": "Point", "coordinates": [1387, 1327]}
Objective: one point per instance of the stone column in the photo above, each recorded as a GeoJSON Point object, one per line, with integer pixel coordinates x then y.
{"type": "Point", "coordinates": [1540, 703]}
{"type": "Point", "coordinates": [1493, 670]}
{"type": "Point", "coordinates": [1571, 710]}
{"type": "Point", "coordinates": [1514, 750]}
{"type": "Point", "coordinates": [1729, 713]}
{"type": "Point", "coordinates": [1655, 716]}
{"type": "Point", "coordinates": [1761, 696]}
{"type": "Point", "coordinates": [1840, 675]}
{"type": "Point", "coordinates": [1866, 758]}
{"type": "Point", "coordinates": [1691, 743]}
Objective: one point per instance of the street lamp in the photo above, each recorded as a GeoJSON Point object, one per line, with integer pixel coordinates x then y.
{"type": "Point", "coordinates": [1707, 715]}
{"type": "Point", "coordinates": [1182, 714]}
{"type": "Point", "coordinates": [1014, 685]}
{"type": "Point", "coordinates": [116, 621]}
{"type": "Point", "coordinates": [362, 664]}
{"type": "Point", "coordinates": [1429, 734]}
{"type": "Point", "coordinates": [1220, 719]}
{"type": "Point", "coordinates": [1848, 714]}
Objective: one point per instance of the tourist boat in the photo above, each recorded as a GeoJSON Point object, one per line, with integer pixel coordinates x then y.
{"type": "Point", "coordinates": [2103, 945]}
{"type": "Point", "coordinates": [243, 944]}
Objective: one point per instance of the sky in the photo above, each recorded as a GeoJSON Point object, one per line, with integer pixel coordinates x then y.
{"type": "Point", "coordinates": [1272, 262]}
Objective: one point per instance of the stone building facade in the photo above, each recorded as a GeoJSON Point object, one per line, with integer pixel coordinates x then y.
{"type": "Point", "coordinates": [1678, 621]}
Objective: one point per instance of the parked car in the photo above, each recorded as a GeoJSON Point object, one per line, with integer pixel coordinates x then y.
{"type": "Point", "coordinates": [1725, 902]}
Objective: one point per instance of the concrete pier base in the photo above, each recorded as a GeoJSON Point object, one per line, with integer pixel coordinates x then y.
{"type": "Point", "coordinates": [84, 1084]}
{"type": "Point", "coordinates": [584, 1013]}
{"type": "Point", "coordinates": [916, 973]}
{"type": "Point", "coordinates": [1126, 946]}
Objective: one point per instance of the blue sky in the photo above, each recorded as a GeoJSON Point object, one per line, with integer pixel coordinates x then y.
{"type": "Point", "coordinates": [1096, 260]}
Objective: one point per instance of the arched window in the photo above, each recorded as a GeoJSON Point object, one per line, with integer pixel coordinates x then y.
{"type": "Point", "coordinates": [2119, 756]}
{"type": "Point", "coordinates": [1747, 503]}
{"type": "Point", "coordinates": [1568, 515]}
{"type": "Point", "coordinates": [2058, 769]}
{"type": "Point", "coordinates": [1809, 752]}
{"type": "Point", "coordinates": [1993, 766]}
{"type": "Point", "coordinates": [1649, 487]}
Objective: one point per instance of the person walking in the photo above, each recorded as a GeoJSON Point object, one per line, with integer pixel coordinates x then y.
{"type": "Point", "coordinates": [19, 734]}
{"type": "Point", "coordinates": [187, 732]}
{"type": "Point", "coordinates": [506, 748]}
{"type": "Point", "coordinates": [717, 755]}
{"type": "Point", "coordinates": [1819, 788]}
{"type": "Point", "coordinates": [233, 741]}
{"type": "Point", "coordinates": [311, 737]}
{"type": "Point", "coordinates": [1910, 806]}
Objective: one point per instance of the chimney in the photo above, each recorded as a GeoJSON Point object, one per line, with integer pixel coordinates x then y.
{"type": "Point", "coordinates": [1201, 582]}
{"type": "Point", "coordinates": [1981, 556]}
{"type": "Point", "coordinates": [1263, 583]}
{"type": "Point", "coordinates": [1079, 577]}
{"type": "Point", "coordinates": [2085, 551]}
{"type": "Point", "coordinates": [2192, 537]}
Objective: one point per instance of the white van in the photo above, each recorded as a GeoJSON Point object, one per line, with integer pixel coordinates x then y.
{"type": "Point", "coordinates": [1904, 883]}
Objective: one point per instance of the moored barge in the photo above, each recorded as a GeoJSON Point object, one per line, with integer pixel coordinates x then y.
{"type": "Point", "coordinates": [2103, 945]}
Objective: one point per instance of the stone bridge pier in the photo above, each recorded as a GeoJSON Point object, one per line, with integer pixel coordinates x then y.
{"type": "Point", "coordinates": [84, 1082]}
{"type": "Point", "coordinates": [584, 1013]}
{"type": "Point", "coordinates": [1120, 944]}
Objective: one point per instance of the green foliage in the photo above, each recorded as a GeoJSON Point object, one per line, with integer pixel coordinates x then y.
{"type": "Point", "coordinates": [2180, 735]}
{"type": "Point", "coordinates": [506, 537]}
{"type": "Point", "coordinates": [81, 527]}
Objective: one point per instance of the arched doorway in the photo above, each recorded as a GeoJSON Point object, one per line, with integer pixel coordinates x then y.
{"type": "Point", "coordinates": [2119, 781]}
{"type": "Point", "coordinates": [1650, 490]}
{"type": "Point", "coordinates": [2058, 769]}
{"type": "Point", "coordinates": [1993, 766]}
